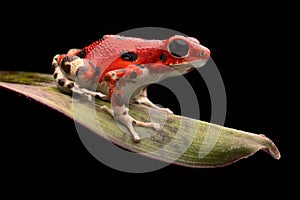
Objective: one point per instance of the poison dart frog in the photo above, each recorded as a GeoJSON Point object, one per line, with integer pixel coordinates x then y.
{"type": "Point", "coordinates": [119, 69]}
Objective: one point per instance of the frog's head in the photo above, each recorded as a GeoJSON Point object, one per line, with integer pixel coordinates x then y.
{"type": "Point", "coordinates": [184, 53]}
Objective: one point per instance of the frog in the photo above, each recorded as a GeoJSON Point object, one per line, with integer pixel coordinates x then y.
{"type": "Point", "coordinates": [119, 69]}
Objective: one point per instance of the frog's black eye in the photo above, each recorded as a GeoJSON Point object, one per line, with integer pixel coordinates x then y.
{"type": "Point", "coordinates": [129, 56]}
{"type": "Point", "coordinates": [179, 48]}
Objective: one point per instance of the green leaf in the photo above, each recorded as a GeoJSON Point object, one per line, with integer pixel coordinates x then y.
{"type": "Point", "coordinates": [181, 140]}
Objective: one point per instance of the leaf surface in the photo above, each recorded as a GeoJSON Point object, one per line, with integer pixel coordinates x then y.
{"type": "Point", "coordinates": [181, 140]}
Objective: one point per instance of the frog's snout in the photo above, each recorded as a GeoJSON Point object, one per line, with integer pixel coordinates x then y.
{"type": "Point", "coordinates": [204, 53]}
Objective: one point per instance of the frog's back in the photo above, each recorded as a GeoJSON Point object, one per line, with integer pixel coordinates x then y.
{"type": "Point", "coordinates": [106, 52]}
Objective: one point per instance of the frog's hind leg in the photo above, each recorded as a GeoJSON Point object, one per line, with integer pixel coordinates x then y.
{"type": "Point", "coordinates": [142, 98]}
{"type": "Point", "coordinates": [65, 73]}
{"type": "Point", "coordinates": [62, 82]}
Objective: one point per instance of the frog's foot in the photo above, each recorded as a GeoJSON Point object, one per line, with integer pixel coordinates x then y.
{"type": "Point", "coordinates": [88, 93]}
{"type": "Point", "coordinates": [121, 115]}
{"type": "Point", "coordinates": [143, 99]}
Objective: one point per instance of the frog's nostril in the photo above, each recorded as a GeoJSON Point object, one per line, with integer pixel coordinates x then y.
{"type": "Point", "coordinates": [201, 53]}
{"type": "Point", "coordinates": [204, 53]}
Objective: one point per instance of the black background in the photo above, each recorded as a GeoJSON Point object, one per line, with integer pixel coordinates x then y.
{"type": "Point", "coordinates": [41, 153]}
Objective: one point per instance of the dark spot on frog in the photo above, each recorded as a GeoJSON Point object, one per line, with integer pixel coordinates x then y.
{"type": "Point", "coordinates": [70, 85]}
{"type": "Point", "coordinates": [55, 75]}
{"type": "Point", "coordinates": [69, 58]}
{"type": "Point", "coordinates": [66, 67]}
{"type": "Point", "coordinates": [107, 78]}
{"type": "Point", "coordinates": [129, 56]}
{"type": "Point", "coordinates": [53, 66]}
{"type": "Point", "coordinates": [61, 82]}
{"type": "Point", "coordinates": [82, 53]}
{"type": "Point", "coordinates": [163, 57]}
{"type": "Point", "coordinates": [77, 71]}
{"type": "Point", "coordinates": [133, 75]}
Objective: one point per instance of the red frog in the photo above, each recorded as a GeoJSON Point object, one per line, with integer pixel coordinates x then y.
{"type": "Point", "coordinates": [119, 69]}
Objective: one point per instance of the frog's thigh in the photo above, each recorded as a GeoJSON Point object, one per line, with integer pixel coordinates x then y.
{"type": "Point", "coordinates": [65, 74]}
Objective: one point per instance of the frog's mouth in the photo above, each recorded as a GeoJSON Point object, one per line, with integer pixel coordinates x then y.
{"type": "Point", "coordinates": [188, 66]}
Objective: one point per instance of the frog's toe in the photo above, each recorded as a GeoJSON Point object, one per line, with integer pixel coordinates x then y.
{"type": "Point", "coordinates": [155, 126]}
{"type": "Point", "coordinates": [136, 138]}
{"type": "Point", "coordinates": [99, 95]}
{"type": "Point", "coordinates": [144, 100]}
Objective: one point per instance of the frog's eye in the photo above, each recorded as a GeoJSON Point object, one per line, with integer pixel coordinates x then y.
{"type": "Point", "coordinates": [129, 56]}
{"type": "Point", "coordinates": [178, 48]}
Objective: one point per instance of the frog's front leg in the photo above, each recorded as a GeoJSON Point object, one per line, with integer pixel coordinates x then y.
{"type": "Point", "coordinates": [142, 98]}
{"type": "Point", "coordinates": [117, 81]}
{"type": "Point", "coordinates": [71, 75]}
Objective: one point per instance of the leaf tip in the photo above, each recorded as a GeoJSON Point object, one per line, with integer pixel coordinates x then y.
{"type": "Point", "coordinates": [270, 147]}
